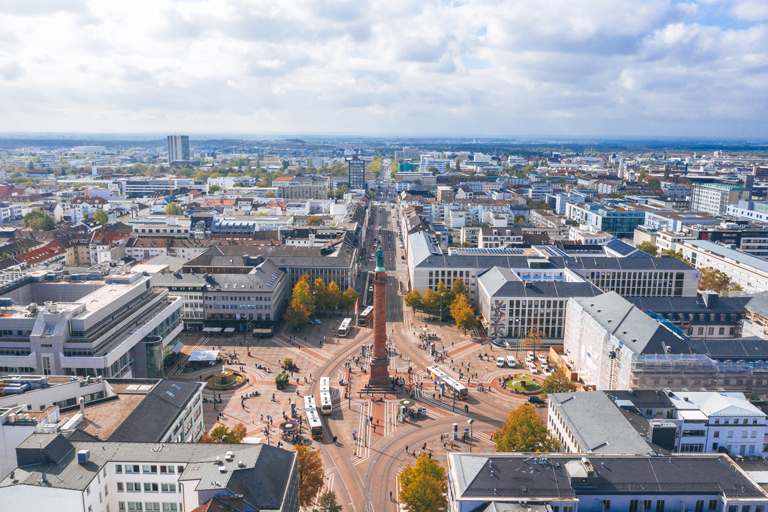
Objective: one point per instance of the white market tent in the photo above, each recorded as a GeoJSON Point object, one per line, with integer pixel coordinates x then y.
{"type": "Point", "coordinates": [203, 356]}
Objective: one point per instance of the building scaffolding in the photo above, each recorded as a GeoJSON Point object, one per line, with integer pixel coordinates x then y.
{"type": "Point", "coordinates": [697, 372]}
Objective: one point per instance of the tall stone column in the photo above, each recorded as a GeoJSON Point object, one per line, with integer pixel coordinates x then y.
{"type": "Point", "coordinates": [379, 359]}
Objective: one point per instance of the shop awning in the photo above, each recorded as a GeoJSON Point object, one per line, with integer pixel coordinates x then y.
{"type": "Point", "coordinates": [229, 329]}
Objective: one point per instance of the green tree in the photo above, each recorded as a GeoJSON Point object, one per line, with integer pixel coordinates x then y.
{"type": "Point", "coordinates": [648, 247]}
{"type": "Point", "coordinates": [557, 382]}
{"type": "Point", "coordinates": [465, 319]}
{"type": "Point", "coordinates": [327, 502]}
{"type": "Point", "coordinates": [315, 221]}
{"type": "Point", "coordinates": [102, 218]}
{"type": "Point", "coordinates": [458, 288]}
{"type": "Point", "coordinates": [311, 475]}
{"type": "Point", "coordinates": [673, 254]}
{"type": "Point", "coordinates": [320, 293]}
{"type": "Point", "coordinates": [654, 183]}
{"type": "Point", "coordinates": [533, 340]}
{"type": "Point", "coordinates": [269, 195]}
{"type": "Point", "coordinates": [222, 434]}
{"type": "Point", "coordinates": [5, 256]}
{"type": "Point", "coordinates": [334, 296]}
{"type": "Point", "coordinates": [413, 300]}
{"type": "Point", "coordinates": [348, 298]}
{"type": "Point", "coordinates": [641, 176]}
{"type": "Point", "coordinates": [424, 486]}
{"type": "Point", "coordinates": [666, 173]}
{"type": "Point", "coordinates": [715, 280]}
{"type": "Point", "coordinates": [525, 432]}
{"type": "Point", "coordinates": [174, 209]}
{"type": "Point", "coordinates": [38, 221]}
{"type": "Point", "coordinates": [296, 313]}
{"type": "Point", "coordinates": [430, 300]}
{"type": "Point", "coordinates": [303, 293]}
{"type": "Point", "coordinates": [341, 190]}
{"type": "Point", "coordinates": [213, 188]}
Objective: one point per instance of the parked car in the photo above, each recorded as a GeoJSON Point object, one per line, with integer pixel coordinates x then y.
{"type": "Point", "coordinates": [500, 362]}
{"type": "Point", "coordinates": [370, 288]}
{"type": "Point", "coordinates": [316, 321]}
{"type": "Point", "coordinates": [535, 400]}
{"type": "Point", "coordinates": [532, 368]}
{"type": "Point", "coordinates": [542, 359]}
{"type": "Point", "coordinates": [511, 361]}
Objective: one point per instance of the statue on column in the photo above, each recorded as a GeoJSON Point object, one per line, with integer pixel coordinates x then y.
{"type": "Point", "coordinates": [379, 260]}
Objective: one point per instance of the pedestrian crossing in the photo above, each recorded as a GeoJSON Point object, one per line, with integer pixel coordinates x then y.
{"type": "Point", "coordinates": [444, 405]}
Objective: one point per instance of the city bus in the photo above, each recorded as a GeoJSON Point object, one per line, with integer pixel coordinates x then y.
{"type": "Point", "coordinates": [344, 328]}
{"type": "Point", "coordinates": [326, 406]}
{"type": "Point", "coordinates": [452, 385]}
{"type": "Point", "coordinates": [325, 384]}
{"type": "Point", "coordinates": [366, 316]}
{"type": "Point", "coordinates": [315, 427]}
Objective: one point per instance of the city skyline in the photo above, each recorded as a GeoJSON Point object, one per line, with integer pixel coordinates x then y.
{"type": "Point", "coordinates": [600, 69]}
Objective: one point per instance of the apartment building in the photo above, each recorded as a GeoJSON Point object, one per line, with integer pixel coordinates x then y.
{"type": "Point", "coordinates": [618, 221]}
{"type": "Point", "coordinates": [537, 482]}
{"type": "Point", "coordinates": [302, 187]}
{"type": "Point", "coordinates": [177, 477]}
{"type": "Point", "coordinates": [499, 237]}
{"type": "Point", "coordinates": [746, 270]}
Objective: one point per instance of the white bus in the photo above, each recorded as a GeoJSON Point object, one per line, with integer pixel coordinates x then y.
{"type": "Point", "coordinates": [315, 427]}
{"type": "Point", "coordinates": [345, 327]}
{"type": "Point", "coordinates": [325, 384]}
{"type": "Point", "coordinates": [326, 406]}
{"type": "Point", "coordinates": [453, 385]}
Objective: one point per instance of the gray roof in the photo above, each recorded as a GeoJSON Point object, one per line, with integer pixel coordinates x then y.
{"type": "Point", "coordinates": [423, 245]}
{"type": "Point", "coordinates": [690, 304]}
{"type": "Point", "coordinates": [634, 328]}
{"type": "Point", "coordinates": [740, 349]}
{"type": "Point", "coordinates": [264, 277]}
{"type": "Point", "coordinates": [597, 424]}
{"type": "Point", "coordinates": [176, 279]}
{"type": "Point", "coordinates": [503, 282]}
{"type": "Point", "coordinates": [283, 255]}
{"type": "Point", "coordinates": [597, 263]}
{"type": "Point", "coordinates": [742, 258]}
{"type": "Point", "coordinates": [643, 399]}
{"type": "Point", "coordinates": [262, 480]}
{"type": "Point", "coordinates": [152, 418]}
{"type": "Point", "coordinates": [527, 476]}
{"type": "Point", "coordinates": [758, 304]}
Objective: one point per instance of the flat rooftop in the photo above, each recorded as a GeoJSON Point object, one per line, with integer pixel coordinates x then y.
{"type": "Point", "coordinates": [102, 419]}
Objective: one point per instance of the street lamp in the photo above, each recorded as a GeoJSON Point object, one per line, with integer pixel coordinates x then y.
{"type": "Point", "coordinates": [441, 310]}
{"type": "Point", "coordinates": [470, 421]}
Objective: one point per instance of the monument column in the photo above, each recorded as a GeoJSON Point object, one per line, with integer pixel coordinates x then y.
{"type": "Point", "coordinates": [379, 360]}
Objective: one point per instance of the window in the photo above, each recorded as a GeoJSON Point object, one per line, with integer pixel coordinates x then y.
{"type": "Point", "coordinates": [169, 507]}
{"type": "Point", "coordinates": [716, 434]}
{"type": "Point", "coordinates": [132, 469]}
{"type": "Point", "coordinates": [121, 506]}
{"type": "Point", "coordinates": [712, 505]}
{"type": "Point", "coordinates": [118, 468]}
{"type": "Point", "coordinates": [120, 487]}
{"type": "Point", "coordinates": [730, 434]}
{"type": "Point", "coordinates": [745, 508]}
{"type": "Point", "coordinates": [606, 504]}
{"type": "Point", "coordinates": [699, 506]}
{"type": "Point", "coordinates": [632, 505]}
{"type": "Point", "coordinates": [134, 505]}
{"type": "Point", "coordinates": [659, 505]}
{"type": "Point", "coordinates": [647, 505]}
{"type": "Point", "coordinates": [151, 506]}
{"type": "Point", "coordinates": [133, 487]}
{"type": "Point", "coordinates": [88, 490]}
{"type": "Point", "coordinates": [168, 487]}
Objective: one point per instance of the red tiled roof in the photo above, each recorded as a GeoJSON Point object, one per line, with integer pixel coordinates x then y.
{"type": "Point", "coordinates": [52, 250]}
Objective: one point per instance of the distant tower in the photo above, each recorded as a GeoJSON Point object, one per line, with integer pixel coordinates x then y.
{"type": "Point", "coordinates": [178, 148]}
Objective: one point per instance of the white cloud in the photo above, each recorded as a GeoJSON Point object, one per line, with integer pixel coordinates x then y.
{"type": "Point", "coordinates": [593, 67]}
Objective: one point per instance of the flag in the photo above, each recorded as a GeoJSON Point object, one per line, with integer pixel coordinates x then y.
{"type": "Point", "coordinates": [356, 301]}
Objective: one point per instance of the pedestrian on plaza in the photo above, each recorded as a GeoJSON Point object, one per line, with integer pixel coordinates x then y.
{"type": "Point", "coordinates": [406, 448]}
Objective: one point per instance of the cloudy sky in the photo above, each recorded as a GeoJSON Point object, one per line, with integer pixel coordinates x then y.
{"type": "Point", "coordinates": [696, 68]}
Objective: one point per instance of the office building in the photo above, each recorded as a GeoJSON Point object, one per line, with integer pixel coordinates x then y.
{"type": "Point", "coordinates": [356, 173]}
{"type": "Point", "coordinates": [748, 271]}
{"type": "Point", "coordinates": [653, 277]}
{"type": "Point", "coordinates": [715, 198]}
{"type": "Point", "coordinates": [178, 148]}
{"type": "Point", "coordinates": [549, 482]}
{"type": "Point", "coordinates": [115, 327]}
{"type": "Point", "coordinates": [648, 422]}
{"type": "Point", "coordinates": [98, 476]}
{"type": "Point", "coordinates": [619, 222]}
{"type": "Point", "coordinates": [511, 307]}
{"type": "Point", "coordinates": [612, 344]}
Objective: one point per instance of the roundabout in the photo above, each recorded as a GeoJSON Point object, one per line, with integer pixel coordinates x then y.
{"type": "Point", "coordinates": [523, 383]}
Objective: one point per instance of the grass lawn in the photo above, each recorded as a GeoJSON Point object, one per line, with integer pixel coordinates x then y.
{"type": "Point", "coordinates": [523, 385]}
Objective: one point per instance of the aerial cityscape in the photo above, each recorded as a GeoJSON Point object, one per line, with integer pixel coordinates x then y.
{"type": "Point", "coordinates": [447, 256]}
